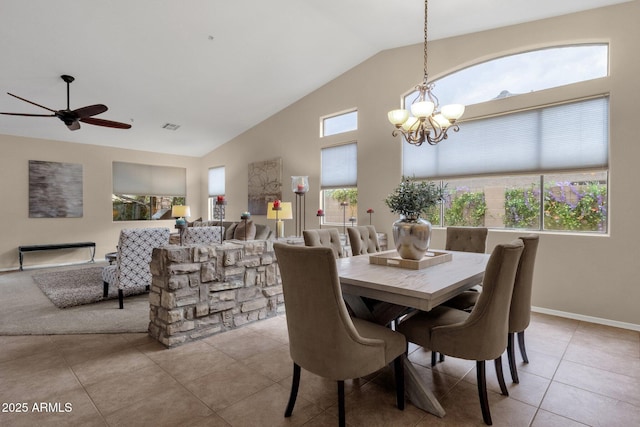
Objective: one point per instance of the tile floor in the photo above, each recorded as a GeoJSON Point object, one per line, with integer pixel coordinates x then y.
{"type": "Point", "coordinates": [580, 374]}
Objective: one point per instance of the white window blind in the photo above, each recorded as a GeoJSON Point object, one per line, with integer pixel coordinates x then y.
{"type": "Point", "coordinates": [339, 167]}
{"type": "Point", "coordinates": [216, 181]}
{"type": "Point", "coordinates": [148, 180]}
{"type": "Point", "coordinates": [557, 138]}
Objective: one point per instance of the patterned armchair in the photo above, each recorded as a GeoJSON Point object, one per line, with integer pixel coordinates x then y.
{"type": "Point", "coordinates": [131, 274]}
{"type": "Point", "coordinates": [206, 235]}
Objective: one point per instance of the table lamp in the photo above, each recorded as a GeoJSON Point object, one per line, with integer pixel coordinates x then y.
{"type": "Point", "coordinates": [285, 212]}
{"type": "Point", "coordinates": [180, 212]}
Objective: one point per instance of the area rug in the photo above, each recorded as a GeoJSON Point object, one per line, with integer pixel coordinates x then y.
{"type": "Point", "coordinates": [71, 288]}
{"type": "Point", "coordinates": [26, 310]}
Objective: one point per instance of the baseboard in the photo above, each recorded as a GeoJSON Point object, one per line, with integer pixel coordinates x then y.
{"type": "Point", "coordinates": [598, 320]}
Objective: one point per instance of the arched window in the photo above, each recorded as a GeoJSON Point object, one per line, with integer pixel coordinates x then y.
{"type": "Point", "coordinates": [542, 167]}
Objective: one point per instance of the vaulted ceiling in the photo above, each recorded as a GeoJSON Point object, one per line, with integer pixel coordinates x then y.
{"type": "Point", "coordinates": [214, 67]}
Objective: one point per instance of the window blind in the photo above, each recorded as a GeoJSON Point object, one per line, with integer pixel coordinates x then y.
{"type": "Point", "coordinates": [556, 138]}
{"type": "Point", "coordinates": [339, 166]}
{"type": "Point", "coordinates": [216, 181]}
{"type": "Point", "coordinates": [148, 180]}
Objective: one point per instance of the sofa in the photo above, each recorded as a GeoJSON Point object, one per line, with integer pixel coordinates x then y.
{"type": "Point", "coordinates": [236, 230]}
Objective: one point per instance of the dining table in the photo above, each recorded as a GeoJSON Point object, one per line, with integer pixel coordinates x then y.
{"type": "Point", "coordinates": [395, 289]}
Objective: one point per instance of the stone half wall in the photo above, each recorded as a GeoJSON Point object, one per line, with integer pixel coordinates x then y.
{"type": "Point", "coordinates": [201, 290]}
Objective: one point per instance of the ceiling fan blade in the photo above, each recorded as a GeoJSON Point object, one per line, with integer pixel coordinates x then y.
{"type": "Point", "coordinates": [75, 125]}
{"type": "Point", "coordinates": [29, 115]}
{"type": "Point", "coordinates": [106, 123]}
{"type": "Point", "coordinates": [91, 110]}
{"type": "Point", "coordinates": [31, 102]}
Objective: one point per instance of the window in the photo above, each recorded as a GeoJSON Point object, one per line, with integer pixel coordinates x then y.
{"type": "Point", "coordinates": [216, 188]}
{"type": "Point", "coordinates": [339, 123]}
{"type": "Point", "coordinates": [543, 167]}
{"type": "Point", "coordinates": [522, 73]}
{"type": "Point", "coordinates": [575, 201]}
{"type": "Point", "coordinates": [146, 192]}
{"type": "Point", "coordinates": [339, 184]}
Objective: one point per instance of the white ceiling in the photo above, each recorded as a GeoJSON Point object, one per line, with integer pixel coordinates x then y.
{"type": "Point", "coordinates": [214, 67]}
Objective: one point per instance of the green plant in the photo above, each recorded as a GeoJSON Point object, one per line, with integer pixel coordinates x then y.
{"type": "Point", "coordinates": [412, 198]}
{"type": "Point", "coordinates": [522, 207]}
{"type": "Point", "coordinates": [570, 206]}
{"type": "Point", "coordinates": [466, 209]}
{"type": "Point", "coordinates": [346, 195]}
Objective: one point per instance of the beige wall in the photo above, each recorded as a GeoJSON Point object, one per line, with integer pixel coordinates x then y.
{"type": "Point", "coordinates": [96, 224]}
{"type": "Point", "coordinates": [594, 276]}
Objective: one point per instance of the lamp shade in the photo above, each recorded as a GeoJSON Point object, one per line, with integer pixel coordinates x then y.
{"type": "Point", "coordinates": [180, 211]}
{"type": "Point", "coordinates": [284, 213]}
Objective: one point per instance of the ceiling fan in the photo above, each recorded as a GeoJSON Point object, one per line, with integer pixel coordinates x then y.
{"type": "Point", "coordinates": [72, 118]}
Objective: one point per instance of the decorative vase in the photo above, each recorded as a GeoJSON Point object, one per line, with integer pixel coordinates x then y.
{"type": "Point", "coordinates": [412, 237]}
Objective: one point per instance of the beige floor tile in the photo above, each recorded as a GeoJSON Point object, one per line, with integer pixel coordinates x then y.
{"type": "Point", "coordinates": [621, 347]}
{"type": "Point", "coordinates": [462, 407]}
{"type": "Point", "coordinates": [266, 408]}
{"type": "Point", "coordinates": [80, 348]}
{"type": "Point", "coordinates": [226, 385]}
{"type": "Point", "coordinates": [372, 405]}
{"type": "Point", "coordinates": [616, 386]}
{"type": "Point", "coordinates": [275, 364]}
{"type": "Point", "coordinates": [173, 406]}
{"type": "Point", "coordinates": [540, 364]}
{"type": "Point", "coordinates": [547, 419]}
{"type": "Point", "coordinates": [589, 408]}
{"type": "Point", "coordinates": [116, 363]}
{"type": "Point", "coordinates": [192, 361]}
{"type": "Point", "coordinates": [213, 420]}
{"type": "Point", "coordinates": [123, 389]}
{"type": "Point", "coordinates": [243, 343]}
{"type": "Point", "coordinates": [17, 347]}
{"type": "Point", "coordinates": [530, 390]}
{"type": "Point", "coordinates": [454, 367]}
{"type": "Point", "coordinates": [609, 331]}
{"type": "Point", "coordinates": [40, 385]}
{"type": "Point", "coordinates": [603, 358]}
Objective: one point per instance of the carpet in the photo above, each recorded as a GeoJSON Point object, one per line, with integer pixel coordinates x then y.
{"type": "Point", "coordinates": [26, 310]}
{"type": "Point", "coordinates": [75, 287]}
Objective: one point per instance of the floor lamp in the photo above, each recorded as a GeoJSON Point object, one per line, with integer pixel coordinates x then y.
{"type": "Point", "coordinates": [284, 212]}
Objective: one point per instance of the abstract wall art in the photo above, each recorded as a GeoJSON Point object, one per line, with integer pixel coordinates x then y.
{"type": "Point", "coordinates": [55, 190]}
{"type": "Point", "coordinates": [265, 184]}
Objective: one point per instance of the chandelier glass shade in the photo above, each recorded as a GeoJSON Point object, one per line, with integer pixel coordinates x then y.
{"type": "Point", "coordinates": [426, 122]}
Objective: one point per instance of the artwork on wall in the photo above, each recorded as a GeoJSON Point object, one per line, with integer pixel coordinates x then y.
{"type": "Point", "coordinates": [55, 190]}
{"type": "Point", "coordinates": [265, 184]}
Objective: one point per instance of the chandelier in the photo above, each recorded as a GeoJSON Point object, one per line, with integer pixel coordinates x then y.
{"type": "Point", "coordinates": [427, 122]}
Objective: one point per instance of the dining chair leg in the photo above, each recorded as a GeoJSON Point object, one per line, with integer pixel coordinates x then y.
{"type": "Point", "coordinates": [511, 355]}
{"type": "Point", "coordinates": [482, 392]}
{"type": "Point", "coordinates": [121, 298]}
{"type": "Point", "coordinates": [441, 357]}
{"type": "Point", "coordinates": [341, 417]}
{"type": "Point", "coordinates": [295, 383]}
{"type": "Point", "coordinates": [523, 350]}
{"type": "Point", "coordinates": [500, 375]}
{"type": "Point", "coordinates": [105, 289]}
{"type": "Point", "coordinates": [398, 367]}
{"type": "Point", "coordinates": [434, 354]}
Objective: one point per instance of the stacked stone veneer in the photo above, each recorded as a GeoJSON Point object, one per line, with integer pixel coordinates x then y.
{"type": "Point", "coordinates": [201, 290]}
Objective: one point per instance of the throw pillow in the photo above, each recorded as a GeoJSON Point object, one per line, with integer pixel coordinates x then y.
{"type": "Point", "coordinates": [240, 231]}
{"type": "Point", "coordinates": [230, 230]}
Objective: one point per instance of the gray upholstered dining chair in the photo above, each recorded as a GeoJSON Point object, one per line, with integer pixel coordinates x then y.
{"type": "Point", "coordinates": [363, 240]}
{"type": "Point", "coordinates": [480, 335]}
{"type": "Point", "coordinates": [323, 338]}
{"type": "Point", "coordinates": [520, 312]}
{"type": "Point", "coordinates": [328, 238]}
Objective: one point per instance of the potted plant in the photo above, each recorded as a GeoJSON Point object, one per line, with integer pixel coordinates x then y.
{"type": "Point", "coordinates": [412, 198]}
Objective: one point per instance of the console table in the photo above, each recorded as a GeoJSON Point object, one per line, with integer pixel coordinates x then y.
{"type": "Point", "coordinates": [52, 247]}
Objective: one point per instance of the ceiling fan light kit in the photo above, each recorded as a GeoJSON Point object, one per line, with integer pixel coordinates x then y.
{"type": "Point", "coordinates": [72, 118]}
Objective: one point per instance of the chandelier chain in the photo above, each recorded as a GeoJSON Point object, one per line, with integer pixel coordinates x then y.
{"type": "Point", "coordinates": [426, 74]}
